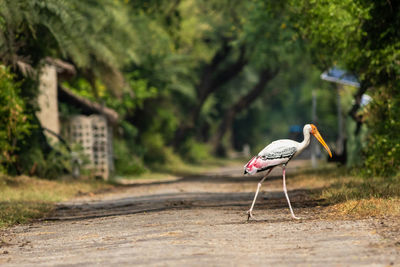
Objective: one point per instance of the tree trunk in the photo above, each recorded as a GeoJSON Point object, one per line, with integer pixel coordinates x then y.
{"type": "Point", "coordinates": [212, 79]}
{"type": "Point", "coordinates": [243, 102]}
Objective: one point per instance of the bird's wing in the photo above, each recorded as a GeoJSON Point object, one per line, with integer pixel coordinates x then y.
{"type": "Point", "coordinates": [276, 153]}
{"type": "Point", "coordinates": [279, 150]}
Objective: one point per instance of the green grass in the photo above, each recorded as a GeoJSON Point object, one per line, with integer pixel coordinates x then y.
{"type": "Point", "coordinates": [25, 198]}
{"type": "Point", "coordinates": [17, 212]}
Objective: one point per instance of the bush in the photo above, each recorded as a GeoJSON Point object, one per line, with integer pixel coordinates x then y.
{"type": "Point", "coordinates": [14, 123]}
{"type": "Point", "coordinates": [155, 150]}
{"type": "Point", "coordinates": [382, 154]}
{"type": "Point", "coordinates": [126, 162]}
{"type": "Point", "coordinates": [194, 152]}
{"type": "Point", "coordinates": [47, 165]}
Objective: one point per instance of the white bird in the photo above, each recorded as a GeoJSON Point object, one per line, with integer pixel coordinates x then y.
{"type": "Point", "coordinates": [279, 153]}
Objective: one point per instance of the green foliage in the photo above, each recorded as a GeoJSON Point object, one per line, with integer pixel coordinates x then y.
{"type": "Point", "coordinates": [126, 161]}
{"type": "Point", "coordinates": [141, 89]}
{"type": "Point", "coordinates": [85, 31]}
{"type": "Point", "coordinates": [82, 31]}
{"type": "Point", "coordinates": [382, 41]}
{"type": "Point", "coordinates": [268, 34]}
{"type": "Point", "coordinates": [194, 152]}
{"type": "Point", "coordinates": [383, 151]}
{"type": "Point", "coordinates": [14, 125]}
{"type": "Point", "coordinates": [128, 154]}
{"type": "Point", "coordinates": [362, 36]}
{"type": "Point", "coordinates": [52, 164]}
{"type": "Point", "coordinates": [288, 101]}
{"type": "Point", "coordinates": [330, 27]}
{"type": "Point", "coordinates": [155, 148]}
{"type": "Point", "coordinates": [155, 62]}
{"type": "Point", "coordinates": [131, 98]}
{"type": "Point", "coordinates": [157, 154]}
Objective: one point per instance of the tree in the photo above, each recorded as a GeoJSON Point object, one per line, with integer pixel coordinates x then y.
{"type": "Point", "coordinates": [81, 32]}
{"type": "Point", "coordinates": [265, 76]}
{"type": "Point", "coordinates": [362, 36]}
{"type": "Point", "coordinates": [84, 32]}
{"type": "Point", "coordinates": [211, 80]}
{"type": "Point", "coordinates": [269, 36]}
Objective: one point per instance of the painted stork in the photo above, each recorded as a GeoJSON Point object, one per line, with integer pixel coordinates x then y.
{"type": "Point", "coordinates": [279, 153]}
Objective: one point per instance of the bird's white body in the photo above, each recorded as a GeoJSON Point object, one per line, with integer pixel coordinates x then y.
{"type": "Point", "coordinates": [279, 153]}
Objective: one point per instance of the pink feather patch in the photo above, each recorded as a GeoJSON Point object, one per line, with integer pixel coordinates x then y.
{"type": "Point", "coordinates": [252, 166]}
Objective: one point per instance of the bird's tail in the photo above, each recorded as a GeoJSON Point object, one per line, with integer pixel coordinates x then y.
{"type": "Point", "coordinates": [250, 167]}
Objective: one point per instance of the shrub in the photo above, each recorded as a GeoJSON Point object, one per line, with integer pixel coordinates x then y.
{"type": "Point", "coordinates": [193, 151]}
{"type": "Point", "coordinates": [14, 123]}
{"type": "Point", "coordinates": [155, 150]}
{"type": "Point", "coordinates": [382, 153]}
{"type": "Point", "coordinates": [126, 162]}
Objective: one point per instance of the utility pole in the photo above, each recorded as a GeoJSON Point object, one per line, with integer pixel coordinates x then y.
{"type": "Point", "coordinates": [339, 142]}
{"type": "Point", "coordinates": [314, 162]}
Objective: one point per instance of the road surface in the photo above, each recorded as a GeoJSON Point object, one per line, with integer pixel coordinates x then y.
{"type": "Point", "coordinates": [197, 221]}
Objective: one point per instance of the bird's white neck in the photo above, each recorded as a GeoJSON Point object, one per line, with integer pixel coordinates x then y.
{"type": "Point", "coordinates": [306, 140]}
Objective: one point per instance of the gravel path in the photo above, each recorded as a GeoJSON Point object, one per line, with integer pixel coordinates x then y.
{"type": "Point", "coordinates": [196, 221]}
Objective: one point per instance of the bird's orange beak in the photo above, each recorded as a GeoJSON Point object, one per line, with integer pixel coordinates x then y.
{"type": "Point", "coordinates": [317, 135]}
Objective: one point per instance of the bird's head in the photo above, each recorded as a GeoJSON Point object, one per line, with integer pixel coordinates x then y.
{"type": "Point", "coordinates": [314, 131]}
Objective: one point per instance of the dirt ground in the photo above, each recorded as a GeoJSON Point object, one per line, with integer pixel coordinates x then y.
{"type": "Point", "coordinates": [199, 221]}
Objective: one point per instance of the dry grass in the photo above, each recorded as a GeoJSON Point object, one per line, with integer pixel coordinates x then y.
{"type": "Point", "coordinates": [24, 198]}
{"type": "Point", "coordinates": [371, 207]}
{"type": "Point", "coordinates": [347, 194]}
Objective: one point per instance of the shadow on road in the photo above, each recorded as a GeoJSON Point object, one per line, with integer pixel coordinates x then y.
{"type": "Point", "coordinates": [222, 191]}
{"type": "Point", "coordinates": [212, 179]}
{"type": "Point", "coordinates": [237, 201]}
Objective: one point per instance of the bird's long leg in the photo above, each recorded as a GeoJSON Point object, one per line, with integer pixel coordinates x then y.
{"type": "Point", "coordinates": [250, 215]}
{"type": "Point", "coordinates": [286, 194]}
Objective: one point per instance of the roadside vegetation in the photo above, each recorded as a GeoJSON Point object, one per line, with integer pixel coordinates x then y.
{"type": "Point", "coordinates": [358, 197]}
{"type": "Point", "coordinates": [24, 198]}
{"type": "Point", "coordinates": [194, 80]}
{"type": "Point", "coordinates": [341, 193]}
{"type": "Point", "coordinates": [344, 193]}
{"type": "Point", "coordinates": [190, 79]}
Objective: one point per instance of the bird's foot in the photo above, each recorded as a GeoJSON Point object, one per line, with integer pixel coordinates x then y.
{"type": "Point", "coordinates": [296, 218]}
{"type": "Point", "coordinates": [249, 215]}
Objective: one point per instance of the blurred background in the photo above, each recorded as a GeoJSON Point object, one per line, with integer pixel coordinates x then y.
{"type": "Point", "coordinates": [121, 87]}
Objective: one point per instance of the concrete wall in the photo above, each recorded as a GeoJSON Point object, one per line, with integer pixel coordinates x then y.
{"type": "Point", "coordinates": [48, 103]}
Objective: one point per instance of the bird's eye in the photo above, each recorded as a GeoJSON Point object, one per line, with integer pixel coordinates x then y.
{"type": "Point", "coordinates": [313, 129]}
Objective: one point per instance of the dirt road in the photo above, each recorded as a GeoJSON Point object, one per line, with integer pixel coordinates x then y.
{"type": "Point", "coordinates": [196, 221]}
